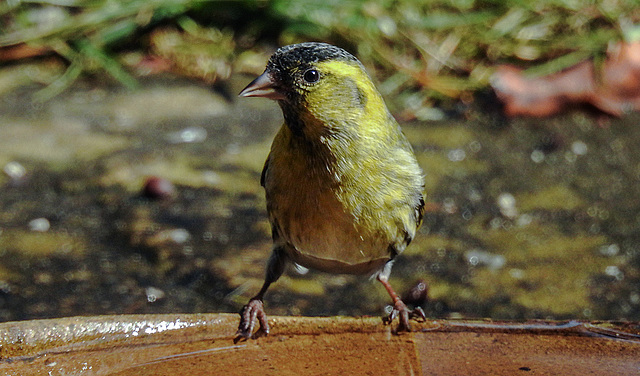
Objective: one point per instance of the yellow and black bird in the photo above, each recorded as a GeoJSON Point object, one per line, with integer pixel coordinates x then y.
{"type": "Point", "coordinates": [344, 191]}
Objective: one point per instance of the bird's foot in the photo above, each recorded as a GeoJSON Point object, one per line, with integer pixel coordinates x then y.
{"type": "Point", "coordinates": [403, 313]}
{"type": "Point", "coordinates": [252, 312]}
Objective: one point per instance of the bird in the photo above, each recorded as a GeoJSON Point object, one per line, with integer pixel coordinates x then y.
{"type": "Point", "coordinates": [343, 188]}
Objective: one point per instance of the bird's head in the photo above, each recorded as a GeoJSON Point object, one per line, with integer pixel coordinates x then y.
{"type": "Point", "coordinates": [320, 88]}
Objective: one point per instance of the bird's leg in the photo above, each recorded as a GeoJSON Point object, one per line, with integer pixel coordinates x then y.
{"type": "Point", "coordinates": [254, 310]}
{"type": "Point", "coordinates": [400, 309]}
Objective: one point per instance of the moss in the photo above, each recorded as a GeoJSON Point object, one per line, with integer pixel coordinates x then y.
{"type": "Point", "coordinates": [40, 244]}
{"type": "Point", "coordinates": [525, 243]}
{"type": "Point", "coordinates": [436, 166]}
{"type": "Point", "coordinates": [553, 268]}
{"type": "Point", "coordinates": [553, 198]}
{"type": "Point", "coordinates": [429, 243]}
{"type": "Point", "coordinates": [449, 136]}
{"type": "Point", "coordinates": [303, 286]}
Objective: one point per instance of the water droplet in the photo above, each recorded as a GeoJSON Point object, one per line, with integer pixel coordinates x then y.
{"type": "Point", "coordinates": [614, 271]}
{"type": "Point", "coordinates": [188, 135]}
{"type": "Point", "coordinates": [479, 257]}
{"type": "Point", "coordinates": [211, 177]}
{"type": "Point", "coordinates": [449, 205]}
{"type": "Point", "coordinates": [179, 235]}
{"type": "Point", "coordinates": [609, 250]}
{"type": "Point", "coordinates": [154, 294]}
{"type": "Point", "coordinates": [507, 204]}
{"type": "Point", "coordinates": [516, 273]}
{"type": "Point", "coordinates": [524, 220]}
{"type": "Point", "coordinates": [474, 195]}
{"type": "Point", "coordinates": [456, 155]}
{"type": "Point", "coordinates": [475, 146]}
{"type": "Point", "coordinates": [579, 148]}
{"type": "Point", "coordinates": [14, 170]}
{"type": "Point", "coordinates": [537, 156]}
{"type": "Point", "coordinates": [39, 225]}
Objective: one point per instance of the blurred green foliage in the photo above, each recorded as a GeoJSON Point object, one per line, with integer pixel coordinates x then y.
{"type": "Point", "coordinates": [419, 49]}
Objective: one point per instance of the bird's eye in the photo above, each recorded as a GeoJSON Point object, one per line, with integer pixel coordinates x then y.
{"type": "Point", "coordinates": [311, 76]}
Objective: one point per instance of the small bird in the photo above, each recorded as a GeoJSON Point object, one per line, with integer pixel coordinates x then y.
{"type": "Point", "coordinates": [343, 188]}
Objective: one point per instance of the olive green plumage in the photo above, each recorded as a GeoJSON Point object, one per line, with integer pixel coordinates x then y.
{"type": "Point", "coordinates": [343, 188]}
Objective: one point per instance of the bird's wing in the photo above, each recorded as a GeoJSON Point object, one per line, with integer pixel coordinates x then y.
{"type": "Point", "coordinates": [275, 228]}
{"type": "Point", "coordinates": [264, 170]}
{"type": "Point", "coordinates": [419, 211]}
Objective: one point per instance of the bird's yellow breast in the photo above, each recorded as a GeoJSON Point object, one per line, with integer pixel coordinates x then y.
{"type": "Point", "coordinates": [306, 205]}
{"type": "Point", "coordinates": [336, 220]}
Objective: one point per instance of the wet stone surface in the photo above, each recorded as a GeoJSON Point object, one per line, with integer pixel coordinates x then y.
{"type": "Point", "coordinates": [526, 218]}
{"type": "Point", "coordinates": [196, 344]}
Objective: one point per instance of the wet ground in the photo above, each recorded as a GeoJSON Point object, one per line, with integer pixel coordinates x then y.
{"type": "Point", "coordinates": [527, 218]}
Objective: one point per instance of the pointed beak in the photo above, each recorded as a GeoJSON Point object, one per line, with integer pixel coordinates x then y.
{"type": "Point", "coordinates": [263, 86]}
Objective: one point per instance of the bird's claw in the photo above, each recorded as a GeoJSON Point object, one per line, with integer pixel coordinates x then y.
{"type": "Point", "coordinates": [252, 312]}
{"type": "Point", "coordinates": [401, 311]}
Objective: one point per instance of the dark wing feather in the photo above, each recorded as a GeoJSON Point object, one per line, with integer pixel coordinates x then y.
{"type": "Point", "coordinates": [264, 171]}
{"type": "Point", "coordinates": [420, 211]}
